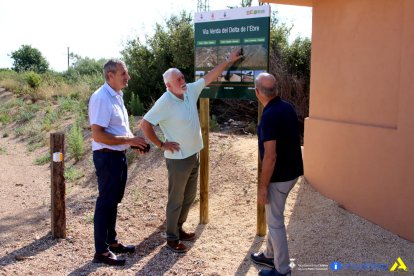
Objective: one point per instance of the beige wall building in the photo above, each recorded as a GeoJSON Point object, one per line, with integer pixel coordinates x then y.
{"type": "Point", "coordinates": [359, 133]}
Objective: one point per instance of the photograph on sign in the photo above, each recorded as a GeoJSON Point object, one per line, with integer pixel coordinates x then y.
{"type": "Point", "coordinates": [217, 33]}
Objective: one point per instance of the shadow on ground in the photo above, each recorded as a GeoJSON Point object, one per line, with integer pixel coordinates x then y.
{"type": "Point", "coordinates": [320, 232]}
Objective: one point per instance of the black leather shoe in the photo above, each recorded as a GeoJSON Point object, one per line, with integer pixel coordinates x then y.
{"type": "Point", "coordinates": [111, 259]}
{"type": "Point", "coordinates": [259, 258]}
{"type": "Point", "coordinates": [122, 248]}
{"type": "Point", "coordinates": [186, 236]}
{"type": "Point", "coordinates": [272, 272]}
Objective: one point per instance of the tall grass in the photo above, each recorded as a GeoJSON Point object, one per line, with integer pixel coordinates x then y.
{"type": "Point", "coordinates": [76, 145]}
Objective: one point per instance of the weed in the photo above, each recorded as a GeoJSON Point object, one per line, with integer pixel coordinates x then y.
{"type": "Point", "coordinates": [130, 157]}
{"type": "Point", "coordinates": [76, 146]}
{"type": "Point", "coordinates": [132, 123]}
{"type": "Point", "coordinates": [73, 174]}
{"type": "Point", "coordinates": [50, 117]}
{"type": "Point", "coordinates": [36, 145]}
{"type": "Point", "coordinates": [19, 131]}
{"type": "Point", "coordinates": [26, 115]}
{"type": "Point", "coordinates": [42, 160]}
{"type": "Point", "coordinates": [89, 218]}
{"type": "Point", "coordinates": [214, 126]}
{"type": "Point", "coordinates": [5, 119]}
{"type": "Point", "coordinates": [68, 104]}
{"type": "Point", "coordinates": [28, 112]}
{"type": "Point", "coordinates": [136, 195]}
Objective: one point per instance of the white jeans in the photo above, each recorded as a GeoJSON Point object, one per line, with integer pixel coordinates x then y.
{"type": "Point", "coordinates": [276, 243]}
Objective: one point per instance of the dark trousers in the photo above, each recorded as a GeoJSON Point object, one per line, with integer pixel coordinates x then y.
{"type": "Point", "coordinates": [111, 170]}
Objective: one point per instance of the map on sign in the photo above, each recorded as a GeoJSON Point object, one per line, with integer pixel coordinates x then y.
{"type": "Point", "coordinates": [217, 33]}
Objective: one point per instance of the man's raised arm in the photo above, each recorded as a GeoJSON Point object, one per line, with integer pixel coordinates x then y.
{"type": "Point", "coordinates": [216, 72]}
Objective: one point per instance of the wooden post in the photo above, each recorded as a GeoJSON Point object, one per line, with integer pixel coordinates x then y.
{"type": "Point", "coordinates": [261, 218]}
{"type": "Point", "coordinates": [57, 142]}
{"type": "Point", "coordinates": [204, 159]}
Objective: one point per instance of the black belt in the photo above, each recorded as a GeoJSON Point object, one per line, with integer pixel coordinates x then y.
{"type": "Point", "coordinates": [111, 150]}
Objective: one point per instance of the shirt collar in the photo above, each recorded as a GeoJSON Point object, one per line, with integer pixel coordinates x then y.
{"type": "Point", "coordinates": [175, 98]}
{"type": "Point", "coordinates": [272, 101]}
{"type": "Point", "coordinates": [111, 91]}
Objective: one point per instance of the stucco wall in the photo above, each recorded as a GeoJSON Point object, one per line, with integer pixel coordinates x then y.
{"type": "Point", "coordinates": [357, 146]}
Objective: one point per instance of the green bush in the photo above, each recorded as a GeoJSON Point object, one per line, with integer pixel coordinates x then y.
{"type": "Point", "coordinates": [135, 106]}
{"type": "Point", "coordinates": [72, 174]}
{"type": "Point", "coordinates": [75, 141]}
{"type": "Point", "coordinates": [33, 80]}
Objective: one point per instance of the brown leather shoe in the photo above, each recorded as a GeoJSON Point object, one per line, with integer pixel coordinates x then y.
{"type": "Point", "coordinates": [110, 259]}
{"type": "Point", "coordinates": [186, 236]}
{"type": "Point", "coordinates": [176, 246]}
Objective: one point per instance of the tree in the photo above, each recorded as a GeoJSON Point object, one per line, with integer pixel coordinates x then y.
{"type": "Point", "coordinates": [28, 58]}
{"type": "Point", "coordinates": [171, 45]}
{"type": "Point", "coordinates": [290, 63]}
{"type": "Point", "coordinates": [86, 66]}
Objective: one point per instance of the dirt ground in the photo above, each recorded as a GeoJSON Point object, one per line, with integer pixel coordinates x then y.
{"type": "Point", "coordinates": [319, 231]}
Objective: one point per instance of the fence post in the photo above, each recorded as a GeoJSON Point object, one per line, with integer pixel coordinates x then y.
{"type": "Point", "coordinates": [57, 165]}
{"type": "Point", "coordinates": [204, 159]}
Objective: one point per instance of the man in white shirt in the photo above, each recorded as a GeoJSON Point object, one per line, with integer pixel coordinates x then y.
{"type": "Point", "coordinates": [176, 113]}
{"type": "Point", "coordinates": [111, 137]}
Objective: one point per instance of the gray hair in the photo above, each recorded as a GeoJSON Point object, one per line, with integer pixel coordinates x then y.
{"type": "Point", "coordinates": [267, 84]}
{"type": "Point", "coordinates": [111, 66]}
{"type": "Point", "coordinates": [167, 76]}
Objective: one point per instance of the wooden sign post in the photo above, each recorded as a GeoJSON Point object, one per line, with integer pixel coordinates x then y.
{"type": "Point", "coordinates": [261, 217]}
{"type": "Point", "coordinates": [204, 159]}
{"type": "Point", "coordinates": [204, 169]}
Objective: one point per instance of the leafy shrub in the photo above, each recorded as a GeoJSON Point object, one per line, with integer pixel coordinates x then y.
{"type": "Point", "coordinates": [135, 106]}
{"type": "Point", "coordinates": [33, 79]}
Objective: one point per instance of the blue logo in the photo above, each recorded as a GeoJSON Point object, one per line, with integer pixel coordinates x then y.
{"type": "Point", "coordinates": [335, 266]}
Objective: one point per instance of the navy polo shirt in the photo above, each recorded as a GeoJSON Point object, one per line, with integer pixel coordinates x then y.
{"type": "Point", "coordinates": [280, 122]}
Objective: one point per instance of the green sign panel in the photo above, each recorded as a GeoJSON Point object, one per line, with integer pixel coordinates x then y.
{"type": "Point", "coordinates": [217, 33]}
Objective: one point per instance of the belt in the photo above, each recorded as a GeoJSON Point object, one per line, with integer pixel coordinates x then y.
{"type": "Point", "coordinates": [111, 150]}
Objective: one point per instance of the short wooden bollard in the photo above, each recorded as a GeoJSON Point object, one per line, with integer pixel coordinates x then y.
{"type": "Point", "coordinates": [57, 165]}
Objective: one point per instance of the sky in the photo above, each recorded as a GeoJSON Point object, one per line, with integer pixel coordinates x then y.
{"type": "Point", "coordinates": [100, 28]}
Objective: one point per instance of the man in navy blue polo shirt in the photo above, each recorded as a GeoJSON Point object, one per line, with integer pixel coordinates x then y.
{"type": "Point", "coordinates": [280, 151]}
